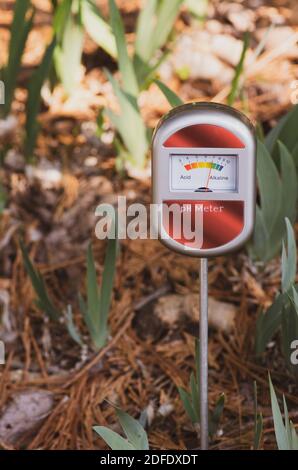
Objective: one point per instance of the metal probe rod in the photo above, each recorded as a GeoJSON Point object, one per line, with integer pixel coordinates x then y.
{"type": "Point", "coordinates": [204, 353]}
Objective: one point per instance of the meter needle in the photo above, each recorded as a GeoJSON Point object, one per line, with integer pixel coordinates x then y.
{"type": "Point", "coordinates": [209, 174]}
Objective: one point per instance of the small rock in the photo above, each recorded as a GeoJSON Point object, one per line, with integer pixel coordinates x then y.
{"type": "Point", "coordinates": [24, 414]}
{"type": "Point", "coordinates": [205, 56]}
{"type": "Point", "coordinates": [14, 160]}
{"type": "Point", "coordinates": [48, 175]}
{"type": "Point", "coordinates": [8, 127]}
{"type": "Point", "coordinates": [241, 18]}
{"type": "Point", "coordinates": [172, 309]}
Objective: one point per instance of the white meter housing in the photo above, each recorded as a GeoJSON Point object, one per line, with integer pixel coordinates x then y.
{"type": "Point", "coordinates": [204, 165]}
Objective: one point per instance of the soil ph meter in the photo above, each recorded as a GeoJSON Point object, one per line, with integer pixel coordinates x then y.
{"type": "Point", "coordinates": [204, 180]}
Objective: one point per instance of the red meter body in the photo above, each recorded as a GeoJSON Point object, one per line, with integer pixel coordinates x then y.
{"type": "Point", "coordinates": [204, 166]}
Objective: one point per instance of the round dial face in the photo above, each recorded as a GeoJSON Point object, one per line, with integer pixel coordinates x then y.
{"type": "Point", "coordinates": [204, 173]}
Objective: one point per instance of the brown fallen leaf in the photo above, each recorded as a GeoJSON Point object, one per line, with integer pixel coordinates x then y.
{"type": "Point", "coordinates": [173, 309]}
{"type": "Point", "coordinates": [276, 36]}
{"type": "Point", "coordinates": [256, 289]}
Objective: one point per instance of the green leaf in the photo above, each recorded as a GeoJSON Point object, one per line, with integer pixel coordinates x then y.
{"type": "Point", "coordinates": [114, 440]}
{"type": "Point", "coordinates": [294, 437]}
{"type": "Point", "coordinates": [54, 5]}
{"type": "Point", "coordinates": [269, 186]}
{"type": "Point", "coordinates": [34, 98]}
{"type": "Point", "coordinates": [172, 98]}
{"type": "Point", "coordinates": [130, 83]}
{"type": "Point", "coordinates": [259, 245]}
{"type": "Point", "coordinates": [97, 28]}
{"type": "Point", "coordinates": [239, 71]}
{"type": "Point", "coordinates": [62, 15]}
{"type": "Point", "coordinates": [216, 415]}
{"type": "Point", "coordinates": [145, 30]}
{"type": "Point", "coordinates": [99, 300]}
{"type": "Point", "coordinates": [134, 431]}
{"type": "Point", "coordinates": [289, 184]}
{"type": "Point", "coordinates": [98, 331]}
{"type": "Point", "coordinates": [2, 198]}
{"type": "Point", "coordinates": [187, 403]}
{"type": "Point", "coordinates": [268, 323]}
{"type": "Point", "coordinates": [129, 124]}
{"type": "Point", "coordinates": [285, 131]}
{"type": "Point", "coordinates": [72, 330]}
{"type": "Point", "coordinates": [197, 362]}
{"type": "Point", "coordinates": [43, 301]}
{"type": "Point", "coordinates": [92, 289]}
{"type": "Point", "coordinates": [155, 23]}
{"type": "Point", "coordinates": [285, 432]}
{"type": "Point", "coordinates": [68, 53]}
{"type": "Point", "coordinates": [278, 197]}
{"type": "Point", "coordinates": [82, 304]}
{"type": "Point", "coordinates": [273, 135]}
{"type": "Point", "coordinates": [195, 396]}
{"type": "Point", "coordinates": [198, 8]}
{"type": "Point", "coordinates": [108, 278]}
{"type": "Point", "coordinates": [280, 431]}
{"type": "Point", "coordinates": [287, 207]}
{"type": "Point", "coordinates": [258, 428]}
{"type": "Point", "coordinates": [287, 422]}
{"type": "Point", "coordinates": [289, 259]}
{"type": "Point", "coordinates": [20, 29]}
{"type": "Point", "coordinates": [166, 15]}
{"type": "Point", "coordinates": [258, 431]}
{"type": "Point", "coordinates": [295, 297]}
{"type": "Point", "coordinates": [289, 333]}
{"type": "Point", "coordinates": [260, 131]}
{"type": "Point", "coordinates": [295, 155]}
{"type": "Point", "coordinates": [146, 72]}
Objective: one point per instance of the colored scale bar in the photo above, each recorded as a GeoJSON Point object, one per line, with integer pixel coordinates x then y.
{"type": "Point", "coordinates": [194, 165]}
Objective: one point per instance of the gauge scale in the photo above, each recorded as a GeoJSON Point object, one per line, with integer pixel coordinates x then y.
{"type": "Point", "coordinates": [201, 173]}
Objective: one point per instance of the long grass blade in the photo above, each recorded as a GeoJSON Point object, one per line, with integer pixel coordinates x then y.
{"type": "Point", "coordinates": [268, 323]}
{"type": "Point", "coordinates": [68, 52]}
{"type": "Point", "coordinates": [238, 72]}
{"type": "Point", "coordinates": [170, 95]}
{"type": "Point", "coordinates": [166, 15]}
{"type": "Point", "coordinates": [43, 300]}
{"type": "Point", "coordinates": [108, 277]}
{"type": "Point", "coordinates": [130, 125]}
{"type": "Point", "coordinates": [130, 83]}
{"type": "Point", "coordinates": [258, 428]}
{"type": "Point", "coordinates": [289, 259]}
{"type": "Point", "coordinates": [279, 427]}
{"type": "Point", "coordinates": [97, 28]}
{"type": "Point", "coordinates": [20, 30]}
{"type": "Point", "coordinates": [145, 30]}
{"type": "Point", "coordinates": [269, 187]}
{"type": "Point", "coordinates": [34, 98]}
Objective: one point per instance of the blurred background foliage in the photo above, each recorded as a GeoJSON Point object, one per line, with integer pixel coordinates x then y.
{"type": "Point", "coordinates": [85, 83]}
